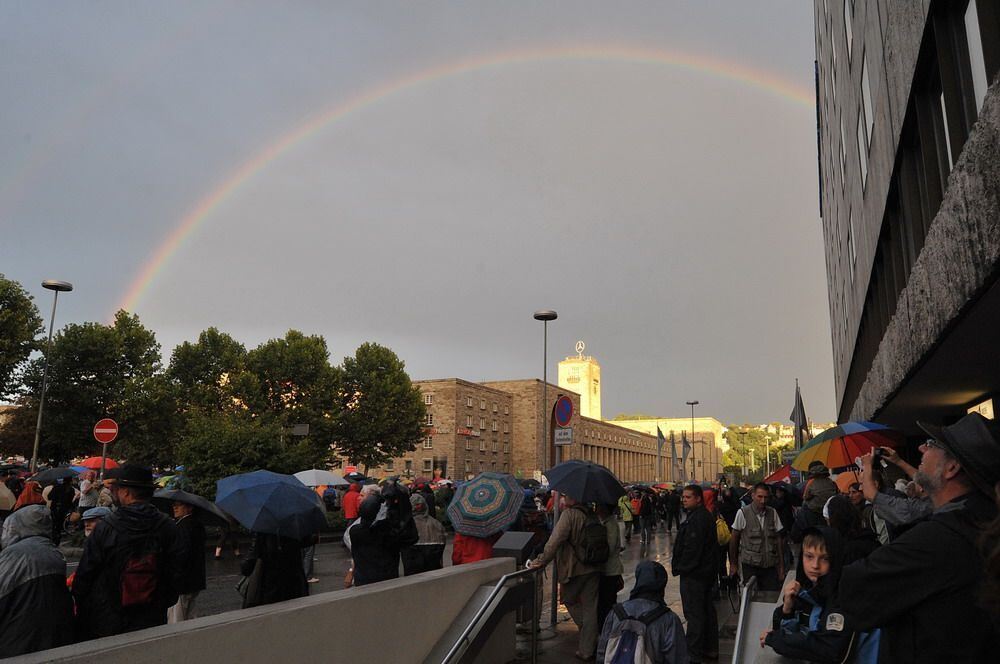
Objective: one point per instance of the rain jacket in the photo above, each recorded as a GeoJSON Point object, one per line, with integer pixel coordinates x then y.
{"type": "Point", "coordinates": [923, 589]}
{"type": "Point", "coordinates": [665, 642]}
{"type": "Point", "coordinates": [625, 508]}
{"type": "Point", "coordinates": [281, 575]}
{"type": "Point", "coordinates": [191, 537]}
{"type": "Point", "coordinates": [468, 549]}
{"type": "Point", "coordinates": [376, 539]}
{"type": "Point", "coordinates": [31, 494]}
{"type": "Point", "coordinates": [816, 630]}
{"type": "Point", "coordinates": [696, 547]}
{"type": "Point", "coordinates": [36, 610]}
{"type": "Point", "coordinates": [97, 585]}
{"type": "Point", "coordinates": [427, 553]}
{"type": "Point", "coordinates": [351, 501]}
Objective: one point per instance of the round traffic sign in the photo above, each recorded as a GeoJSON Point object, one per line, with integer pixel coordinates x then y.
{"type": "Point", "coordinates": [105, 430]}
{"type": "Point", "coordinates": [564, 411]}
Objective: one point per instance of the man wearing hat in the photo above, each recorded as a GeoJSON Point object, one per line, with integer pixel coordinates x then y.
{"type": "Point", "coordinates": [128, 574]}
{"type": "Point", "coordinates": [924, 588]}
{"type": "Point", "coordinates": [820, 487]}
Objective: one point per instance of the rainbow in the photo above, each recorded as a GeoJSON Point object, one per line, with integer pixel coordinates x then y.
{"type": "Point", "coordinates": [724, 69]}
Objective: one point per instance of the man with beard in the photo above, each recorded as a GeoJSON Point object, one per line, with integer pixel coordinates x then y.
{"type": "Point", "coordinates": [131, 564]}
{"type": "Point", "coordinates": [922, 589]}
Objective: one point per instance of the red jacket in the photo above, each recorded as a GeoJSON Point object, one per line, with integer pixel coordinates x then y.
{"type": "Point", "coordinates": [351, 501]}
{"type": "Point", "coordinates": [468, 549]}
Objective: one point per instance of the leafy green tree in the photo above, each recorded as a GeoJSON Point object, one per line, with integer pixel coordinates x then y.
{"type": "Point", "coordinates": [206, 371]}
{"type": "Point", "coordinates": [738, 456]}
{"type": "Point", "coordinates": [95, 371]}
{"type": "Point", "coordinates": [20, 325]}
{"type": "Point", "coordinates": [380, 412]}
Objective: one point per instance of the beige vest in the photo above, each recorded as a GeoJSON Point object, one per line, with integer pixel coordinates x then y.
{"type": "Point", "coordinates": [759, 545]}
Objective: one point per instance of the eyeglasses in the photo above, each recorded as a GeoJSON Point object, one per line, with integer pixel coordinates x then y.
{"type": "Point", "coordinates": [930, 442]}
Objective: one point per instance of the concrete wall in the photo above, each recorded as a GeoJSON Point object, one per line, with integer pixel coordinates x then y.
{"type": "Point", "coordinates": [392, 621]}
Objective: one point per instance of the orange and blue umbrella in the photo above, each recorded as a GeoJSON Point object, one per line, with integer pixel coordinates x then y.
{"type": "Point", "coordinates": [486, 505]}
{"type": "Point", "coordinates": [838, 446]}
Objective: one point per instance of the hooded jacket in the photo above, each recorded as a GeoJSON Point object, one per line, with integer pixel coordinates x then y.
{"type": "Point", "coordinates": [427, 553]}
{"type": "Point", "coordinates": [815, 630]}
{"type": "Point", "coordinates": [97, 585]}
{"type": "Point", "coordinates": [376, 543]}
{"type": "Point", "coordinates": [923, 588]}
{"type": "Point", "coordinates": [665, 642]}
{"type": "Point", "coordinates": [36, 611]}
{"type": "Point", "coordinates": [351, 501]}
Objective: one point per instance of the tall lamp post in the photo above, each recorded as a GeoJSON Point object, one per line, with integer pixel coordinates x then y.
{"type": "Point", "coordinates": [58, 287]}
{"type": "Point", "coordinates": [545, 315]}
{"type": "Point", "coordinates": [693, 448]}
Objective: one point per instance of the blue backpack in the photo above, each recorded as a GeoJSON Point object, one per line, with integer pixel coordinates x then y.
{"type": "Point", "coordinates": [627, 643]}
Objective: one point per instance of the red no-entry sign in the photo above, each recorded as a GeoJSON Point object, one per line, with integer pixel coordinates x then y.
{"type": "Point", "coordinates": [105, 430]}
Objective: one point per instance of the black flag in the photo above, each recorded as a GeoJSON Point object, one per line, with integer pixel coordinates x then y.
{"type": "Point", "coordinates": [799, 419]}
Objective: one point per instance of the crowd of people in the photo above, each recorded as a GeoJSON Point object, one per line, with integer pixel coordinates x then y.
{"type": "Point", "coordinates": [905, 571]}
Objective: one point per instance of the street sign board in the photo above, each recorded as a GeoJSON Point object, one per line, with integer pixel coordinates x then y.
{"type": "Point", "coordinates": [563, 436]}
{"type": "Point", "coordinates": [105, 431]}
{"type": "Point", "coordinates": [564, 411]}
{"type": "Point", "coordinates": [788, 456]}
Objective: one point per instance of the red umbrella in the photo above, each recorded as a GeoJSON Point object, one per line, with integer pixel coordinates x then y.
{"type": "Point", "coordinates": [94, 463]}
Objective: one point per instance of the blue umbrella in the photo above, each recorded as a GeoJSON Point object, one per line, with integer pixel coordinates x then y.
{"type": "Point", "coordinates": [585, 482]}
{"type": "Point", "coordinates": [266, 502]}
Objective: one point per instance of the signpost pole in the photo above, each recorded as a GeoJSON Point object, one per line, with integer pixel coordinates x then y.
{"type": "Point", "coordinates": [105, 431]}
{"type": "Point", "coordinates": [104, 458]}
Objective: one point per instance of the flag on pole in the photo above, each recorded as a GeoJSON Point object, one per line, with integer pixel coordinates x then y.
{"type": "Point", "coordinates": [673, 457]}
{"type": "Point", "coordinates": [686, 449]}
{"type": "Point", "coordinates": [799, 419]}
{"type": "Point", "coordinates": [660, 440]}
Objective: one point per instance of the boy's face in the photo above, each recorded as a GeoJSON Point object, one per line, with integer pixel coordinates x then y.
{"type": "Point", "coordinates": [815, 563]}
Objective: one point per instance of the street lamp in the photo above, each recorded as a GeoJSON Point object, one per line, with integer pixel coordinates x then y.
{"type": "Point", "coordinates": [545, 315]}
{"type": "Point", "coordinates": [58, 287]}
{"type": "Point", "coordinates": [693, 448]}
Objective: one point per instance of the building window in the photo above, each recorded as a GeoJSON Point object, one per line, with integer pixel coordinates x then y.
{"type": "Point", "coordinates": [428, 465]}
{"type": "Point", "coordinates": [495, 446]}
{"type": "Point", "coordinates": [496, 426]}
{"type": "Point", "coordinates": [429, 420]}
{"type": "Point", "coordinates": [428, 399]}
{"type": "Point", "coordinates": [408, 464]}
{"type": "Point", "coordinates": [468, 401]}
{"type": "Point", "coordinates": [495, 407]}
{"type": "Point", "coordinates": [974, 37]}
{"type": "Point", "coordinates": [506, 467]}
{"type": "Point", "coordinates": [482, 444]}
{"type": "Point", "coordinates": [468, 421]}
{"type": "Point", "coordinates": [493, 466]}
{"type": "Point", "coordinates": [468, 466]}
{"type": "Point", "coordinates": [428, 442]}
{"type": "Point", "coordinates": [506, 410]}
{"type": "Point", "coordinates": [390, 465]}
{"type": "Point", "coordinates": [482, 404]}
{"type": "Point", "coordinates": [506, 427]}
{"type": "Point", "coordinates": [506, 447]}
{"type": "Point", "coordinates": [482, 466]}
{"type": "Point", "coordinates": [482, 423]}
{"type": "Point", "coordinates": [468, 443]}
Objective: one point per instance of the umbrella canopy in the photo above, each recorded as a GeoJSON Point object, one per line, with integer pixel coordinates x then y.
{"type": "Point", "coordinates": [94, 463]}
{"type": "Point", "coordinates": [266, 502]}
{"type": "Point", "coordinates": [165, 480]}
{"type": "Point", "coordinates": [530, 483]}
{"type": "Point", "coordinates": [207, 512]}
{"type": "Point", "coordinates": [783, 474]}
{"type": "Point", "coordinates": [316, 477]}
{"type": "Point", "coordinates": [52, 474]}
{"type": "Point", "coordinates": [845, 479]}
{"type": "Point", "coordinates": [838, 446]}
{"type": "Point", "coordinates": [486, 504]}
{"type": "Point", "coordinates": [585, 482]}
{"type": "Point", "coordinates": [355, 477]}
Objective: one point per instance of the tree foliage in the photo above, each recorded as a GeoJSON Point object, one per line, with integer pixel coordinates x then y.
{"type": "Point", "coordinates": [744, 438]}
{"type": "Point", "coordinates": [20, 325]}
{"type": "Point", "coordinates": [633, 416]}
{"type": "Point", "coordinates": [205, 371]}
{"type": "Point", "coordinates": [380, 413]}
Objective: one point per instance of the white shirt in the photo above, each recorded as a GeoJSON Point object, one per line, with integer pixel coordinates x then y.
{"type": "Point", "coordinates": [740, 522]}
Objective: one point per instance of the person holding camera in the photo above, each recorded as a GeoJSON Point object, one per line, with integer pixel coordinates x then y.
{"type": "Point", "coordinates": [894, 510]}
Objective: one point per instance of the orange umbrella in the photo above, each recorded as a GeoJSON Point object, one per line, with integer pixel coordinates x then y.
{"type": "Point", "coordinates": [845, 479]}
{"type": "Point", "coordinates": [94, 463]}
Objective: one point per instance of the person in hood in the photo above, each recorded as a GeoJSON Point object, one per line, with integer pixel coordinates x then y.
{"type": "Point", "coordinates": [808, 625]}
{"type": "Point", "coordinates": [924, 587]}
{"type": "Point", "coordinates": [36, 610]}
{"type": "Point", "coordinates": [131, 564]}
{"type": "Point", "coordinates": [351, 501]}
{"type": "Point", "coordinates": [428, 552]}
{"type": "Point", "coordinates": [664, 637]}
{"type": "Point", "coordinates": [375, 554]}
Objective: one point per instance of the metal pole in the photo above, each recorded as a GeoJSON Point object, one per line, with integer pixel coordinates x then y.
{"type": "Point", "coordinates": [45, 383]}
{"type": "Point", "coordinates": [556, 459]}
{"type": "Point", "coordinates": [104, 457]}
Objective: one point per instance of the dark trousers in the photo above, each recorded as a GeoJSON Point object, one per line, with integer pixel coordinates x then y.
{"type": "Point", "coordinates": [673, 520]}
{"type": "Point", "coordinates": [767, 577]}
{"type": "Point", "coordinates": [607, 597]}
{"type": "Point", "coordinates": [702, 622]}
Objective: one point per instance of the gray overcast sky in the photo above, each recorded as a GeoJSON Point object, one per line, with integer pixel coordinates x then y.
{"type": "Point", "coordinates": [668, 213]}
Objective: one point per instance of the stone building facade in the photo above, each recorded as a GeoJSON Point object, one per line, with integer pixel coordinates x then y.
{"type": "Point", "coordinates": [708, 444]}
{"type": "Point", "coordinates": [908, 113]}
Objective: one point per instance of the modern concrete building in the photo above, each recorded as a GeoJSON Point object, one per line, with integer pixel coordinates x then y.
{"type": "Point", "coordinates": [908, 113]}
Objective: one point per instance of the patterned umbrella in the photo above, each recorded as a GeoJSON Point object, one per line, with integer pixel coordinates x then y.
{"type": "Point", "coordinates": [486, 504]}
{"type": "Point", "coordinates": [838, 446]}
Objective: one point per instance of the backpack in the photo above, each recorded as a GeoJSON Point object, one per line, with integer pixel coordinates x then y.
{"type": "Point", "coordinates": [139, 571]}
{"type": "Point", "coordinates": [722, 532]}
{"type": "Point", "coordinates": [627, 643]}
{"type": "Point", "coordinates": [592, 549]}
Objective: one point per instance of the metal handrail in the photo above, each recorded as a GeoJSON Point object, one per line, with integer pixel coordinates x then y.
{"type": "Point", "coordinates": [464, 637]}
{"type": "Point", "coordinates": [749, 592]}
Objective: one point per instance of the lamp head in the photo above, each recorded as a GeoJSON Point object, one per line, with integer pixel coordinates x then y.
{"type": "Point", "coordinates": [546, 315]}
{"type": "Point", "coordinates": [56, 285]}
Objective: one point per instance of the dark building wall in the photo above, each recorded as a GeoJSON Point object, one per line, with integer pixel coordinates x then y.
{"type": "Point", "coordinates": [910, 215]}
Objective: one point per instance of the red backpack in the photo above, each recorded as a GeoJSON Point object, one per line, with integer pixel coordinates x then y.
{"type": "Point", "coordinates": [139, 570]}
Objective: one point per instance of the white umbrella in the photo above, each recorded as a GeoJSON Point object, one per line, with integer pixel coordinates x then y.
{"type": "Point", "coordinates": [316, 477]}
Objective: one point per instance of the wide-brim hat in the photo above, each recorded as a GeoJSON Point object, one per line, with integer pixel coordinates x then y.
{"type": "Point", "coordinates": [818, 468]}
{"type": "Point", "coordinates": [975, 442]}
{"type": "Point", "coordinates": [129, 475]}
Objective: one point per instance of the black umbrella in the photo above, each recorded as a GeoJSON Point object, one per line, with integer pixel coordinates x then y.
{"type": "Point", "coordinates": [355, 477]}
{"type": "Point", "coordinates": [208, 513]}
{"type": "Point", "coordinates": [585, 482]}
{"type": "Point", "coordinates": [51, 475]}
{"type": "Point", "coordinates": [530, 483]}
